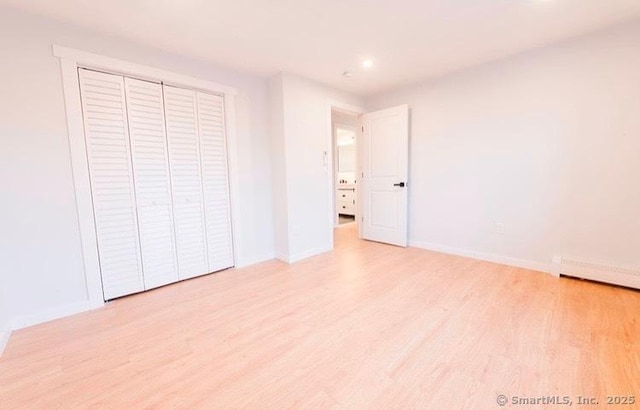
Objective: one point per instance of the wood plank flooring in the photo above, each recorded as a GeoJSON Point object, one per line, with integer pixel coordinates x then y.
{"type": "Point", "coordinates": [367, 326]}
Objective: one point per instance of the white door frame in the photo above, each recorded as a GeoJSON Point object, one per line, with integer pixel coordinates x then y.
{"type": "Point", "coordinates": [330, 162]}
{"type": "Point", "coordinates": [70, 61]}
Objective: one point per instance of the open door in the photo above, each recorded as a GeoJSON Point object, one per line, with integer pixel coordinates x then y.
{"type": "Point", "coordinates": [385, 167]}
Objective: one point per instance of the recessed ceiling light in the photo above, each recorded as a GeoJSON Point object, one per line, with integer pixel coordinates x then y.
{"type": "Point", "coordinates": [367, 64]}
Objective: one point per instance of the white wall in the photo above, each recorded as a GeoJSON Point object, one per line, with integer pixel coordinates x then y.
{"type": "Point", "coordinates": [305, 136]}
{"type": "Point", "coordinates": [41, 260]}
{"type": "Point", "coordinates": [279, 167]}
{"type": "Point", "coordinates": [547, 143]}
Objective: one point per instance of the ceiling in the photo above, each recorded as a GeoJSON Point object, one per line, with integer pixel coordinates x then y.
{"type": "Point", "coordinates": [408, 40]}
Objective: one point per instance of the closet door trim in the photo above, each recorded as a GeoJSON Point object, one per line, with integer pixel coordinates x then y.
{"type": "Point", "coordinates": [70, 61]}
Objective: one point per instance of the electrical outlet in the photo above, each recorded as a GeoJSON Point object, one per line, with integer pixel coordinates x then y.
{"type": "Point", "coordinates": [500, 228]}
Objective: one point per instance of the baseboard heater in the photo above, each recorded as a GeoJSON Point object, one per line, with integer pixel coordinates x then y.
{"type": "Point", "coordinates": [600, 272]}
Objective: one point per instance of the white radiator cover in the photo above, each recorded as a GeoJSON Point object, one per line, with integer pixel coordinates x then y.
{"type": "Point", "coordinates": [600, 272]}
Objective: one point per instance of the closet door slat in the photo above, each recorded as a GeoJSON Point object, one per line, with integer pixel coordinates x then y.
{"type": "Point", "coordinates": [112, 184]}
{"type": "Point", "coordinates": [186, 180]}
{"type": "Point", "coordinates": [145, 109]}
{"type": "Point", "coordinates": [213, 152]}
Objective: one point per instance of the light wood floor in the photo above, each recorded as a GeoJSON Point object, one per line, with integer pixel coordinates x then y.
{"type": "Point", "coordinates": [365, 326]}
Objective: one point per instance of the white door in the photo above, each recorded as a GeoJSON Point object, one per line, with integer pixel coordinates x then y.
{"type": "Point", "coordinates": [145, 111]}
{"type": "Point", "coordinates": [215, 180]}
{"type": "Point", "coordinates": [112, 188]}
{"type": "Point", "coordinates": [186, 180]}
{"type": "Point", "coordinates": [385, 167]}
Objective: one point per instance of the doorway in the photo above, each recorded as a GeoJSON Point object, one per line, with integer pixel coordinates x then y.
{"type": "Point", "coordinates": [344, 126]}
{"type": "Point", "coordinates": [368, 170]}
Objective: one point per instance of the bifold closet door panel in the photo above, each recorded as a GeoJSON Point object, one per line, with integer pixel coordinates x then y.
{"type": "Point", "coordinates": [145, 111]}
{"type": "Point", "coordinates": [112, 187]}
{"type": "Point", "coordinates": [186, 181]}
{"type": "Point", "coordinates": [213, 152]}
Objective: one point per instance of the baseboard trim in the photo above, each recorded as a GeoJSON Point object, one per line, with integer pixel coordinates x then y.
{"type": "Point", "coordinates": [253, 260]}
{"type": "Point", "coordinates": [5, 334]}
{"type": "Point", "coordinates": [296, 257]}
{"type": "Point", "coordinates": [488, 257]}
{"type": "Point", "coordinates": [282, 257]}
{"type": "Point", "coordinates": [53, 314]}
{"type": "Point", "coordinates": [605, 272]}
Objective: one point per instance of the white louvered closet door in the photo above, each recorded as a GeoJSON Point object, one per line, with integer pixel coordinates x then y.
{"type": "Point", "coordinates": [213, 152]}
{"type": "Point", "coordinates": [112, 187]}
{"type": "Point", "coordinates": [145, 111]}
{"type": "Point", "coordinates": [188, 202]}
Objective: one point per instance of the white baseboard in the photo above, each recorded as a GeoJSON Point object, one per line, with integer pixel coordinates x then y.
{"type": "Point", "coordinates": [282, 257]}
{"type": "Point", "coordinates": [556, 266]}
{"type": "Point", "coordinates": [252, 260]}
{"type": "Point", "coordinates": [302, 255]}
{"type": "Point", "coordinates": [5, 334]}
{"type": "Point", "coordinates": [606, 272]}
{"type": "Point", "coordinates": [53, 313]}
{"type": "Point", "coordinates": [503, 260]}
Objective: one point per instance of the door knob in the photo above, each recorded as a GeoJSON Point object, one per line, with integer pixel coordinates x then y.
{"type": "Point", "coordinates": [400, 184]}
